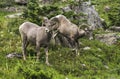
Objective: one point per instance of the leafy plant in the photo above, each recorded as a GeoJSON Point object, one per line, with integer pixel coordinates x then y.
{"type": "Point", "coordinates": [6, 3]}
{"type": "Point", "coordinates": [34, 12]}
{"type": "Point", "coordinates": [114, 16]}
{"type": "Point", "coordinates": [99, 62]}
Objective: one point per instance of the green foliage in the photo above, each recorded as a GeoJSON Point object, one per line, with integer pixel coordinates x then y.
{"type": "Point", "coordinates": [114, 16]}
{"type": "Point", "coordinates": [49, 11]}
{"type": "Point", "coordinates": [34, 12]}
{"type": "Point", "coordinates": [71, 15]}
{"type": "Point", "coordinates": [35, 71]}
{"type": "Point", "coordinates": [74, 3]}
{"type": "Point", "coordinates": [99, 62]}
{"type": "Point", "coordinates": [6, 3]}
{"type": "Point", "coordinates": [89, 63]}
{"type": "Point", "coordinates": [14, 24]}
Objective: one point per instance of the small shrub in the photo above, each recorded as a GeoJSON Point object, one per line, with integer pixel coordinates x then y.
{"type": "Point", "coordinates": [6, 3]}
{"type": "Point", "coordinates": [13, 25]}
{"type": "Point", "coordinates": [114, 16]}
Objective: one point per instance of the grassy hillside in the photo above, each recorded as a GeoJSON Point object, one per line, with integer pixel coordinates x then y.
{"type": "Point", "coordinates": [109, 10]}
{"type": "Point", "coordinates": [99, 62]}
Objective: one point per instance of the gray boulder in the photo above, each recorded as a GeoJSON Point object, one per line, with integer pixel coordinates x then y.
{"type": "Point", "coordinates": [16, 15]}
{"type": "Point", "coordinates": [90, 15]}
{"type": "Point", "coordinates": [86, 48]}
{"type": "Point", "coordinates": [87, 12]}
{"type": "Point", "coordinates": [14, 55]}
{"type": "Point", "coordinates": [107, 8]}
{"type": "Point", "coordinates": [115, 28]}
{"type": "Point", "coordinates": [15, 9]}
{"type": "Point", "coordinates": [21, 2]}
{"type": "Point", "coordinates": [109, 39]}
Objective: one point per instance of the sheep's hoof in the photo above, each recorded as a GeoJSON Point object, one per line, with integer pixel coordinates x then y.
{"type": "Point", "coordinates": [48, 64]}
{"type": "Point", "coordinates": [73, 50]}
{"type": "Point", "coordinates": [37, 60]}
{"type": "Point", "coordinates": [24, 59]}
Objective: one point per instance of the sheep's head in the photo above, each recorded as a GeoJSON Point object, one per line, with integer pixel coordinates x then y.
{"type": "Point", "coordinates": [46, 23]}
{"type": "Point", "coordinates": [82, 33]}
{"type": "Point", "coordinates": [54, 23]}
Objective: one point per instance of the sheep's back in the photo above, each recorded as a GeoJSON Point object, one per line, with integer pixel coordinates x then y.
{"type": "Point", "coordinates": [43, 35]}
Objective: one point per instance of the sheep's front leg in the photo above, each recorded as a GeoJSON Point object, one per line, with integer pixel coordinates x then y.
{"type": "Point", "coordinates": [24, 46]}
{"type": "Point", "coordinates": [46, 51]}
{"type": "Point", "coordinates": [76, 47]}
{"type": "Point", "coordinates": [72, 42]}
{"type": "Point", "coordinates": [38, 51]}
{"type": "Point", "coordinates": [77, 44]}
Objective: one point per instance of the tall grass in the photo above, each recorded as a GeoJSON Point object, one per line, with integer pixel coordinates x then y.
{"type": "Point", "coordinates": [99, 62]}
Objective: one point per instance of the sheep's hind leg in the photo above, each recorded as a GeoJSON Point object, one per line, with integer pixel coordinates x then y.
{"type": "Point", "coordinates": [46, 51]}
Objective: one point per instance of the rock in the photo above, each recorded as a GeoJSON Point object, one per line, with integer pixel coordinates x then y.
{"type": "Point", "coordinates": [115, 28]}
{"type": "Point", "coordinates": [16, 15]}
{"type": "Point", "coordinates": [14, 9]}
{"type": "Point", "coordinates": [86, 12]}
{"type": "Point", "coordinates": [86, 48]}
{"type": "Point", "coordinates": [46, 1]}
{"type": "Point", "coordinates": [83, 65]}
{"type": "Point", "coordinates": [99, 50]}
{"type": "Point", "coordinates": [107, 8]}
{"type": "Point", "coordinates": [64, 0]}
{"type": "Point", "coordinates": [106, 66]}
{"type": "Point", "coordinates": [21, 2]}
{"type": "Point", "coordinates": [11, 9]}
{"type": "Point", "coordinates": [66, 9]}
{"type": "Point", "coordinates": [14, 55]}
{"type": "Point", "coordinates": [109, 39]}
{"type": "Point", "coordinates": [91, 15]}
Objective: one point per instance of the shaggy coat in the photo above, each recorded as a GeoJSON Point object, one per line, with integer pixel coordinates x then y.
{"type": "Point", "coordinates": [71, 31]}
{"type": "Point", "coordinates": [39, 36]}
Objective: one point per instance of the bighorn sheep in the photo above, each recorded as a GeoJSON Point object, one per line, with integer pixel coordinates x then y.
{"type": "Point", "coordinates": [32, 33]}
{"type": "Point", "coordinates": [63, 26]}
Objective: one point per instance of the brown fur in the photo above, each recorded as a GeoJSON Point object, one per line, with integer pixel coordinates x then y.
{"type": "Point", "coordinates": [39, 36]}
{"type": "Point", "coordinates": [67, 29]}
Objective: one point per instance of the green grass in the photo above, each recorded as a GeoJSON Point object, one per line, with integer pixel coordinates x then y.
{"type": "Point", "coordinates": [100, 5]}
{"type": "Point", "coordinates": [100, 62]}
{"type": "Point", "coordinates": [93, 63]}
